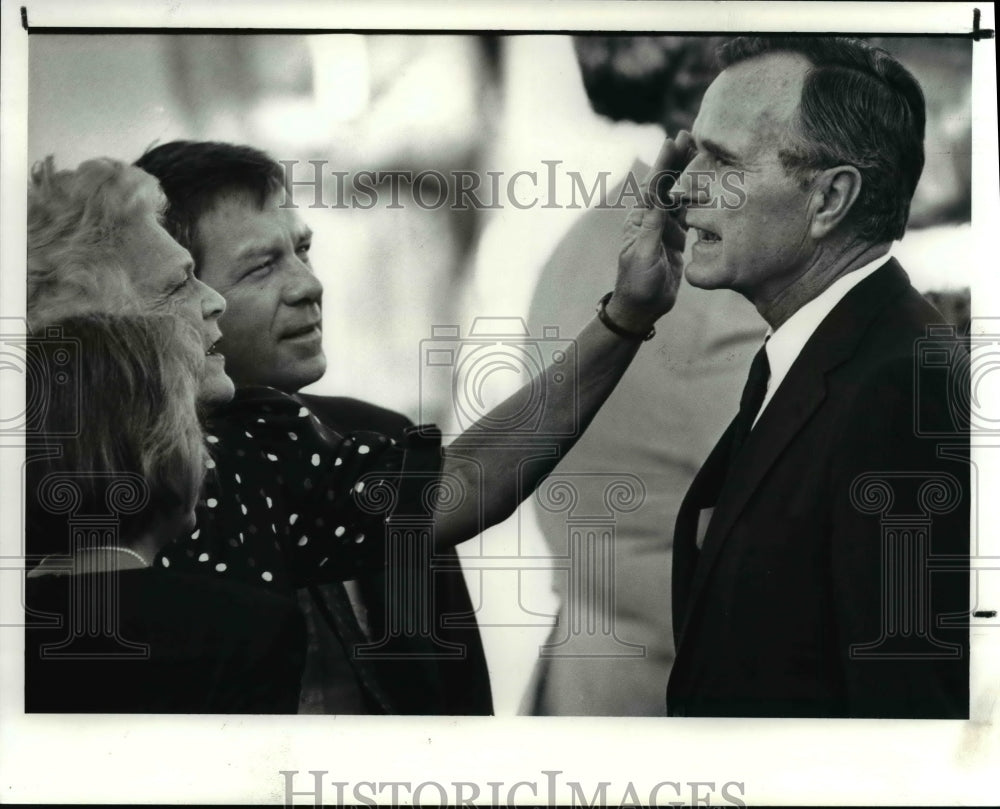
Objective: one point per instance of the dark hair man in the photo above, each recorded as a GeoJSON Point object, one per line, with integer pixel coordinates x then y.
{"type": "Point", "coordinates": [789, 549]}
{"type": "Point", "coordinates": [226, 206]}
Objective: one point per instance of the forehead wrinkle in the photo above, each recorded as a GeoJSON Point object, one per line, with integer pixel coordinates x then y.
{"type": "Point", "coordinates": [760, 98]}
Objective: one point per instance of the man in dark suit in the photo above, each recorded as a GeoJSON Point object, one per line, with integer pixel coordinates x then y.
{"type": "Point", "coordinates": [801, 579]}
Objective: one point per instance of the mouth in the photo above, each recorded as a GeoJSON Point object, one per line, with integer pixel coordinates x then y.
{"type": "Point", "coordinates": [212, 350]}
{"type": "Point", "coordinates": [705, 235]}
{"type": "Point", "coordinates": [310, 330]}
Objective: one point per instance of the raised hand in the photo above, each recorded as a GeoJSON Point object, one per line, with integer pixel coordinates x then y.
{"type": "Point", "coordinates": [650, 264]}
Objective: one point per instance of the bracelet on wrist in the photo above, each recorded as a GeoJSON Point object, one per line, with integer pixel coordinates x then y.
{"type": "Point", "coordinates": [605, 318]}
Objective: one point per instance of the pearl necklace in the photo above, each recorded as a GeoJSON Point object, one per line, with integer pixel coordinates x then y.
{"type": "Point", "coordinates": [117, 548]}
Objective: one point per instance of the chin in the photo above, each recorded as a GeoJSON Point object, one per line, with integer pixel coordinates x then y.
{"type": "Point", "coordinates": [701, 277]}
{"type": "Point", "coordinates": [296, 376]}
{"type": "Point", "coordinates": [189, 522]}
{"type": "Point", "coordinates": [216, 389]}
{"type": "Point", "coordinates": [713, 274]}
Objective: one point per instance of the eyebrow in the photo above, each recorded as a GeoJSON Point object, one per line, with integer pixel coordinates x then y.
{"type": "Point", "coordinates": [262, 249]}
{"type": "Point", "coordinates": [719, 151]}
{"type": "Point", "coordinates": [257, 251]}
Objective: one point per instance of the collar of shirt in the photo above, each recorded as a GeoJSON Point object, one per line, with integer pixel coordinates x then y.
{"type": "Point", "coordinates": [784, 345]}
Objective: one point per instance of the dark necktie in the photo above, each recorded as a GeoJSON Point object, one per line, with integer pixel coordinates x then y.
{"type": "Point", "coordinates": [709, 483]}
{"type": "Point", "coordinates": [753, 397]}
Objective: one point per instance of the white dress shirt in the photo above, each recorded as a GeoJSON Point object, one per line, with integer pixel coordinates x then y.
{"type": "Point", "coordinates": [784, 345]}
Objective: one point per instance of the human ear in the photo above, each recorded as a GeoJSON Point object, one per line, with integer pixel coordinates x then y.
{"type": "Point", "coordinates": [834, 193]}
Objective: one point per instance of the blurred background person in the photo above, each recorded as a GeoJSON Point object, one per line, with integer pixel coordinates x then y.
{"type": "Point", "coordinates": [123, 439]}
{"type": "Point", "coordinates": [937, 249]}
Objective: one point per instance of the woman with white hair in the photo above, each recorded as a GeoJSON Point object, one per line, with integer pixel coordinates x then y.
{"type": "Point", "coordinates": [96, 243]}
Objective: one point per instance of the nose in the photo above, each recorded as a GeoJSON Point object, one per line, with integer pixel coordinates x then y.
{"type": "Point", "coordinates": [212, 303]}
{"type": "Point", "coordinates": [303, 286]}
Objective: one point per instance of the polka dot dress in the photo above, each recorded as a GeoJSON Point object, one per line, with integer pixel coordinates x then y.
{"type": "Point", "coordinates": [288, 502]}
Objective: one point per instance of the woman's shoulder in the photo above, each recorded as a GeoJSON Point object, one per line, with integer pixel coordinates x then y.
{"type": "Point", "coordinates": [165, 596]}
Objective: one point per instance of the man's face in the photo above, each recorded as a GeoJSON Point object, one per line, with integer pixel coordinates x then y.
{"type": "Point", "coordinates": [258, 258]}
{"type": "Point", "coordinates": [162, 273]}
{"type": "Point", "coordinates": [756, 241]}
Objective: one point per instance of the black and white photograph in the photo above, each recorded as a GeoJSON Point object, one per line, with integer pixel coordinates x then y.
{"type": "Point", "coordinates": [578, 403]}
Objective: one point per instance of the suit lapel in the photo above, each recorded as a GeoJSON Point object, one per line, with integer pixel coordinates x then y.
{"type": "Point", "coordinates": [790, 408]}
{"type": "Point", "coordinates": [801, 393]}
{"type": "Point", "coordinates": [703, 493]}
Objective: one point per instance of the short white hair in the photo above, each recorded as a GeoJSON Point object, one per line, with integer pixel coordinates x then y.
{"type": "Point", "coordinates": [75, 219]}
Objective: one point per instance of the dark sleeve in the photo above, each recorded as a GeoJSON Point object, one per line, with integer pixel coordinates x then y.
{"type": "Point", "coordinates": [900, 517]}
{"type": "Point", "coordinates": [339, 491]}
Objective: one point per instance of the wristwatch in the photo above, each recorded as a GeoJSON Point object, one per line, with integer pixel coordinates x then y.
{"type": "Point", "coordinates": [605, 318]}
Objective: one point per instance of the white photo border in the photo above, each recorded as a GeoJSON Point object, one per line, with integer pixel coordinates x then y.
{"type": "Point", "coordinates": [215, 759]}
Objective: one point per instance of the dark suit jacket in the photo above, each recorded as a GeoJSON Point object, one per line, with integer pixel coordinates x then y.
{"type": "Point", "coordinates": [790, 575]}
{"type": "Point", "coordinates": [426, 677]}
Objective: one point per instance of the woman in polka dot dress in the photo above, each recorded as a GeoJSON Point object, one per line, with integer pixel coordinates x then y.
{"type": "Point", "coordinates": [285, 501]}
